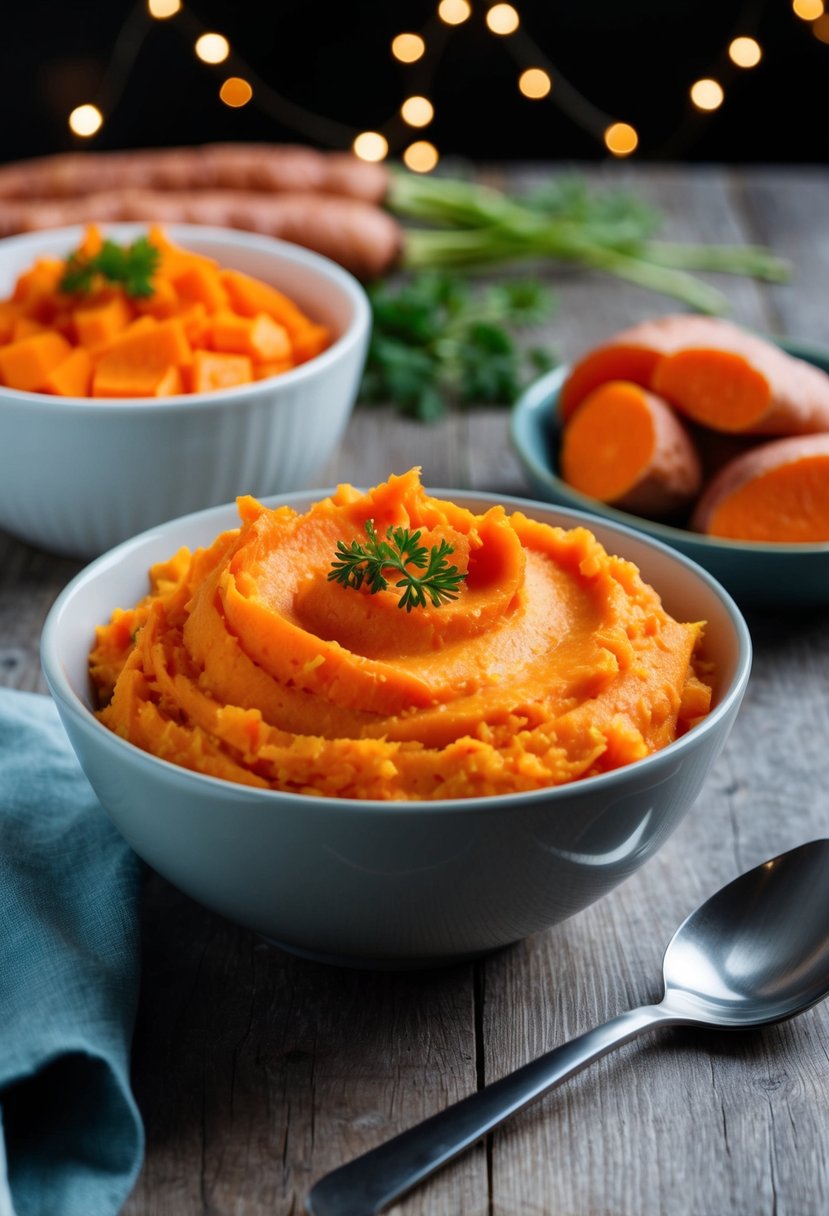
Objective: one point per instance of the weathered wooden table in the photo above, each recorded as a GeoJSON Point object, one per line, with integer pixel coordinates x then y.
{"type": "Point", "coordinates": [258, 1072]}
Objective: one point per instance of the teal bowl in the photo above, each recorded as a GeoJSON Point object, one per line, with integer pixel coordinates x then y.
{"type": "Point", "coordinates": [755, 573]}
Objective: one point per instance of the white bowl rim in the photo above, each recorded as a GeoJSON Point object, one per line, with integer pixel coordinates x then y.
{"type": "Point", "coordinates": [60, 686]}
{"type": "Point", "coordinates": [541, 397]}
{"type": "Point", "coordinates": [326, 268]}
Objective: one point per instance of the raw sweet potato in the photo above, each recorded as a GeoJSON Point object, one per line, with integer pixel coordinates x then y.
{"type": "Point", "coordinates": [631, 354]}
{"type": "Point", "coordinates": [777, 492]}
{"type": "Point", "coordinates": [358, 235]}
{"type": "Point", "coordinates": [715, 372]}
{"type": "Point", "coordinates": [625, 446]}
{"type": "Point", "coordinates": [238, 166]}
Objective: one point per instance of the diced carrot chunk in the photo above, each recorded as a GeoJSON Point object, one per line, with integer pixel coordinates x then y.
{"type": "Point", "coordinates": [41, 280]}
{"type": "Point", "coordinates": [9, 314]}
{"type": "Point", "coordinates": [260, 337]}
{"type": "Point", "coordinates": [249, 296]}
{"type": "Point", "coordinates": [72, 377]}
{"type": "Point", "coordinates": [153, 345]}
{"type": "Point", "coordinates": [196, 323]}
{"type": "Point", "coordinates": [212, 370]}
{"type": "Point", "coordinates": [101, 322]}
{"type": "Point", "coordinates": [201, 283]}
{"type": "Point", "coordinates": [92, 242]}
{"type": "Point", "coordinates": [310, 341]}
{"type": "Point", "coordinates": [27, 363]}
{"type": "Point", "coordinates": [24, 327]}
{"type": "Point", "coordinates": [173, 258]}
{"type": "Point", "coordinates": [162, 303]}
{"type": "Point", "coordinates": [275, 367]}
{"type": "Point", "coordinates": [120, 381]}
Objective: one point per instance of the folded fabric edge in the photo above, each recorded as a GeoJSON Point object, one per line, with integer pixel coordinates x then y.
{"type": "Point", "coordinates": [71, 1137]}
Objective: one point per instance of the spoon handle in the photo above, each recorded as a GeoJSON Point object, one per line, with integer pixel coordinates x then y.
{"type": "Point", "coordinates": [369, 1183]}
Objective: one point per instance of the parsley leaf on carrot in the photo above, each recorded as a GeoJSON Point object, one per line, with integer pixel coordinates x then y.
{"type": "Point", "coordinates": [133, 266]}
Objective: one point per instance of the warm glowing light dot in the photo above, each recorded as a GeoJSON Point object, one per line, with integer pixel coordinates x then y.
{"type": "Point", "coordinates": [454, 12]}
{"type": "Point", "coordinates": [161, 9]}
{"type": "Point", "coordinates": [420, 156]}
{"type": "Point", "coordinates": [502, 19]}
{"type": "Point", "coordinates": [707, 94]}
{"type": "Point", "coordinates": [212, 48]}
{"type": "Point", "coordinates": [235, 92]}
{"type": "Point", "coordinates": [371, 145]}
{"type": "Point", "coordinates": [808, 10]}
{"type": "Point", "coordinates": [820, 28]}
{"type": "Point", "coordinates": [417, 111]}
{"type": "Point", "coordinates": [535, 82]}
{"type": "Point", "coordinates": [408, 47]}
{"type": "Point", "coordinates": [85, 120]}
{"type": "Point", "coordinates": [621, 139]}
{"type": "Point", "coordinates": [745, 52]}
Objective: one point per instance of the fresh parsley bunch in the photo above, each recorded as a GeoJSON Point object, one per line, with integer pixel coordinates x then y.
{"type": "Point", "coordinates": [436, 340]}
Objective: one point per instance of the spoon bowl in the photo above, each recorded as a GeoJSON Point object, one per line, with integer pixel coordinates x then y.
{"type": "Point", "coordinates": [755, 953]}
{"type": "Point", "coordinates": [758, 950]}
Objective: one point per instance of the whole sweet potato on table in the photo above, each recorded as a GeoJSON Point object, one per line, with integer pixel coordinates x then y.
{"type": "Point", "coordinates": [356, 234]}
{"type": "Point", "coordinates": [273, 168]}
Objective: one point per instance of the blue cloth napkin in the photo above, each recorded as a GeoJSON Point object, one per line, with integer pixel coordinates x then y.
{"type": "Point", "coordinates": [71, 1139]}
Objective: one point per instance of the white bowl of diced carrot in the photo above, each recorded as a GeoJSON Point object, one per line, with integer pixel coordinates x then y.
{"type": "Point", "coordinates": [147, 372]}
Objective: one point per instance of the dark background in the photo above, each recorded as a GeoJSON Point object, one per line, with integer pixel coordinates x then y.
{"type": "Point", "coordinates": [634, 60]}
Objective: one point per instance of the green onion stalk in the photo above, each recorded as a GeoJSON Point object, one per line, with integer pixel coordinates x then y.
{"type": "Point", "coordinates": [473, 226]}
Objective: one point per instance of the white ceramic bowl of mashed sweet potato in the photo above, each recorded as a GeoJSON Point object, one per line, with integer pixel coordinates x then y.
{"type": "Point", "coordinates": [368, 882]}
{"type": "Point", "coordinates": [80, 474]}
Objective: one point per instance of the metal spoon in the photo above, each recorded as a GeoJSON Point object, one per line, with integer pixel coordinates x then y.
{"type": "Point", "coordinates": [757, 952]}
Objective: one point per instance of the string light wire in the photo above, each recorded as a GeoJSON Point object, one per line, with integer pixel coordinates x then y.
{"type": "Point", "coordinates": [419, 79]}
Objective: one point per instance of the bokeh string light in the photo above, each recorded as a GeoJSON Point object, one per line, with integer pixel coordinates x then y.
{"type": "Point", "coordinates": [420, 51]}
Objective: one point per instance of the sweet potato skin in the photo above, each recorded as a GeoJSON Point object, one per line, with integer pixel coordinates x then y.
{"type": "Point", "coordinates": [356, 234]}
{"type": "Point", "coordinates": [244, 166]}
{"type": "Point", "coordinates": [792, 513]}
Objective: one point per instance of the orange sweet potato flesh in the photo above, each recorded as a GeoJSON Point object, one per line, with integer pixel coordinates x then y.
{"type": "Point", "coordinates": [211, 370]}
{"type": "Point", "coordinates": [27, 363]}
{"type": "Point", "coordinates": [260, 337]}
{"type": "Point", "coordinates": [631, 354]}
{"type": "Point", "coordinates": [713, 371]}
{"type": "Point", "coordinates": [777, 492]}
{"type": "Point", "coordinates": [100, 322]}
{"type": "Point", "coordinates": [752, 388]}
{"type": "Point", "coordinates": [72, 377]}
{"type": "Point", "coordinates": [246, 662]}
{"type": "Point", "coordinates": [191, 334]}
{"type": "Point", "coordinates": [625, 446]}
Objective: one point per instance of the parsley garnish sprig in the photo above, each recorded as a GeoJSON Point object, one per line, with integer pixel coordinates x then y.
{"type": "Point", "coordinates": [425, 572]}
{"type": "Point", "coordinates": [133, 266]}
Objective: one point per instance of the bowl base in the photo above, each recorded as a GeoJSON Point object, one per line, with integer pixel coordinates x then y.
{"type": "Point", "coordinates": [360, 962]}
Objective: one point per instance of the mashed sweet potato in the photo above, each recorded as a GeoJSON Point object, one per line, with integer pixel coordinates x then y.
{"type": "Point", "coordinates": [245, 661]}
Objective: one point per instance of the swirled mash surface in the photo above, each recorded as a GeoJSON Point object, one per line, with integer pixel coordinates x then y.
{"type": "Point", "coordinates": [245, 662]}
